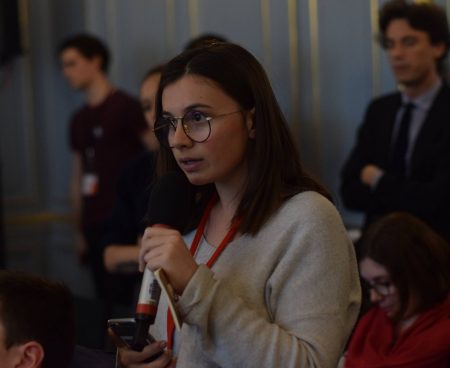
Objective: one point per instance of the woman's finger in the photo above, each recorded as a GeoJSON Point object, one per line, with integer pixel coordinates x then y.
{"type": "Point", "coordinates": [129, 358]}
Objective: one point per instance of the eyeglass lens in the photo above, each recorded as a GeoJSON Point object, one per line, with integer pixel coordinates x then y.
{"type": "Point", "coordinates": [382, 288]}
{"type": "Point", "coordinates": [195, 124]}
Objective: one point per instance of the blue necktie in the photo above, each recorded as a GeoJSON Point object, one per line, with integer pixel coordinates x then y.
{"type": "Point", "coordinates": [401, 143]}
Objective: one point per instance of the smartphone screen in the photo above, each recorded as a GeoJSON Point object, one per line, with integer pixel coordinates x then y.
{"type": "Point", "coordinates": [124, 328]}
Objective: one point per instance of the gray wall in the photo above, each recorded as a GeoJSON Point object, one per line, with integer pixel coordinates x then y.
{"type": "Point", "coordinates": [320, 56]}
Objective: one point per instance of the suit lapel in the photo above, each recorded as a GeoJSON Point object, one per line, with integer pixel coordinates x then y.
{"type": "Point", "coordinates": [390, 112]}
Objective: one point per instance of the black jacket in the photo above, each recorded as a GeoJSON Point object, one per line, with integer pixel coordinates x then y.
{"type": "Point", "coordinates": [426, 192]}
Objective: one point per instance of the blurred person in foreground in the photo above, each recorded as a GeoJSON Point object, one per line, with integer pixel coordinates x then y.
{"type": "Point", "coordinates": [36, 322]}
{"type": "Point", "coordinates": [405, 266]}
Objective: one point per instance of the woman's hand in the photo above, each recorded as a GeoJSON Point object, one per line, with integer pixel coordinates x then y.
{"type": "Point", "coordinates": [136, 359]}
{"type": "Point", "coordinates": [164, 248]}
{"type": "Point", "coordinates": [127, 358]}
{"type": "Point", "coordinates": [370, 174]}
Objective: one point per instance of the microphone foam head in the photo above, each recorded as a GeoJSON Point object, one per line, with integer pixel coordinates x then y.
{"type": "Point", "coordinates": [170, 201]}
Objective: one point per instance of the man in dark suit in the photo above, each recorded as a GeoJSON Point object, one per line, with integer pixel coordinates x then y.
{"type": "Point", "coordinates": [401, 160]}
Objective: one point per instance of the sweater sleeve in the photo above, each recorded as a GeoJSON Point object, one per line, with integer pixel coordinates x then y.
{"type": "Point", "coordinates": [312, 296]}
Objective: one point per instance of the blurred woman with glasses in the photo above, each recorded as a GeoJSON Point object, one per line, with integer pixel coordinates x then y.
{"type": "Point", "coordinates": [268, 278]}
{"type": "Point", "coordinates": [406, 267]}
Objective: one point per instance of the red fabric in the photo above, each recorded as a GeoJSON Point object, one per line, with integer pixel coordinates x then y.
{"type": "Point", "coordinates": [425, 344]}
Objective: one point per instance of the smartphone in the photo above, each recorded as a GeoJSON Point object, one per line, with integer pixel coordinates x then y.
{"type": "Point", "coordinates": [124, 328]}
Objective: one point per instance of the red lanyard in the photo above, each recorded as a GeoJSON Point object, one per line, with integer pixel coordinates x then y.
{"type": "Point", "coordinates": [195, 243]}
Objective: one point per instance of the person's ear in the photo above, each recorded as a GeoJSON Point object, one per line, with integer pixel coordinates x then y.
{"type": "Point", "coordinates": [31, 355]}
{"type": "Point", "coordinates": [250, 122]}
{"type": "Point", "coordinates": [97, 61]}
{"type": "Point", "coordinates": [439, 50]}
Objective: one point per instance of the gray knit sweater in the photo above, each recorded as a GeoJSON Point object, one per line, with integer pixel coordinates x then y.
{"type": "Point", "coordinates": [287, 297]}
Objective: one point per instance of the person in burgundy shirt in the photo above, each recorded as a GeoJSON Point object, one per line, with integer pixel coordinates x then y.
{"type": "Point", "coordinates": [104, 134]}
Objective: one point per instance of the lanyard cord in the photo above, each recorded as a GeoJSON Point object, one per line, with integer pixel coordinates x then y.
{"type": "Point", "coordinates": [195, 244]}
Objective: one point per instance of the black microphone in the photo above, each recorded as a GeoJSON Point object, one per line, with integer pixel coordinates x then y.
{"type": "Point", "coordinates": [169, 206]}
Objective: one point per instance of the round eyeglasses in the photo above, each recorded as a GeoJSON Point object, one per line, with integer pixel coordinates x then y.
{"type": "Point", "coordinates": [196, 125]}
{"type": "Point", "coordinates": [381, 288]}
